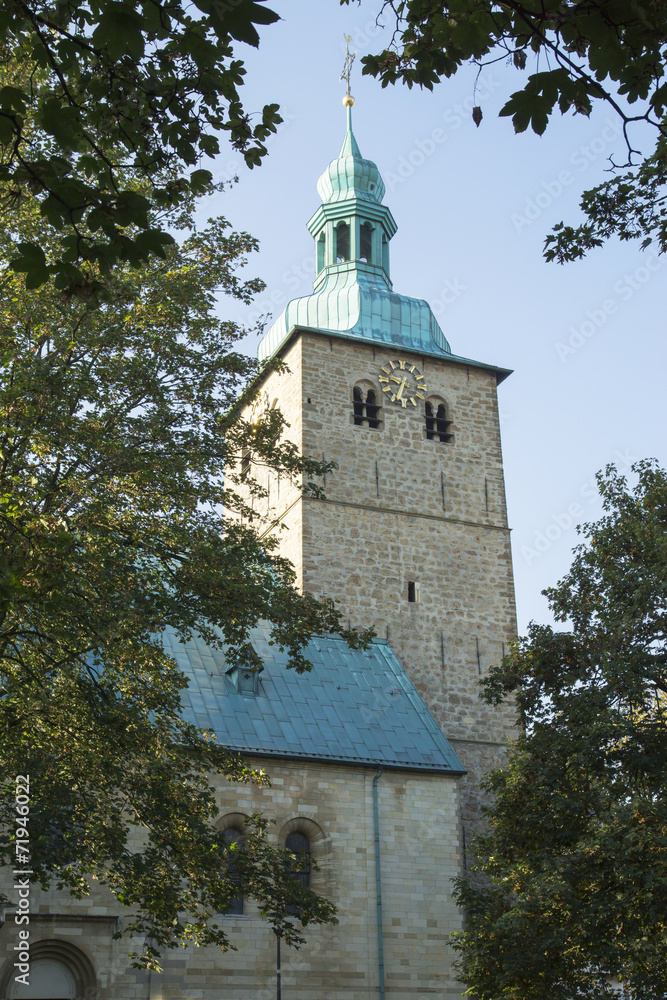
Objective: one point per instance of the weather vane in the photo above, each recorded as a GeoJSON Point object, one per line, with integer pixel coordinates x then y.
{"type": "Point", "coordinates": [348, 100]}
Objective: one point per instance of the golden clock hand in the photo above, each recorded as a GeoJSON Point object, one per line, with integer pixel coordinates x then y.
{"type": "Point", "coordinates": [401, 388]}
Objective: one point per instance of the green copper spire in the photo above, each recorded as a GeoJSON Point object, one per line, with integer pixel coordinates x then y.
{"type": "Point", "coordinates": [352, 292]}
{"type": "Point", "coordinates": [350, 176]}
{"type": "Point", "coordinates": [349, 147]}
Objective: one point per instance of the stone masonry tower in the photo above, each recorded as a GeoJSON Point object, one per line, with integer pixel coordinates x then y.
{"type": "Point", "coordinates": [412, 537]}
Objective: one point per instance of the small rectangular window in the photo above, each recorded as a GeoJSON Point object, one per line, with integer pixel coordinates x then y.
{"type": "Point", "coordinates": [413, 592]}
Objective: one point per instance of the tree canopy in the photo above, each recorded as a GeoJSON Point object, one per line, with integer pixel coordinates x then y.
{"type": "Point", "coordinates": [572, 56]}
{"type": "Point", "coordinates": [97, 96]}
{"type": "Point", "coordinates": [121, 516]}
{"type": "Point", "coordinates": [569, 891]}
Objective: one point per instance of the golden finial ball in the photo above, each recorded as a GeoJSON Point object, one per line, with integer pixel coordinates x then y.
{"type": "Point", "coordinates": [348, 101]}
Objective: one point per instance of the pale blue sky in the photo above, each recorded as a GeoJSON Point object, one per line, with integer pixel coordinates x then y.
{"type": "Point", "coordinates": [473, 206]}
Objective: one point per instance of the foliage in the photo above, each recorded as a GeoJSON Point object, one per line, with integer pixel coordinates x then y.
{"type": "Point", "coordinates": [582, 53]}
{"type": "Point", "coordinates": [631, 206]}
{"type": "Point", "coordinates": [570, 887]}
{"type": "Point", "coordinates": [119, 441]}
{"type": "Point", "coordinates": [93, 92]}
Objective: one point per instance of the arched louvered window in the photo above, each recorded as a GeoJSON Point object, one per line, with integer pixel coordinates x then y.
{"type": "Point", "coordinates": [365, 406]}
{"type": "Point", "coordinates": [437, 424]}
{"type": "Point", "coordinates": [358, 405]}
{"type": "Point", "coordinates": [342, 241]}
{"type": "Point", "coordinates": [298, 843]}
{"type": "Point", "coordinates": [366, 242]}
{"type": "Point", "coordinates": [442, 423]}
{"type": "Point", "coordinates": [231, 837]}
{"type": "Point", "coordinates": [372, 409]}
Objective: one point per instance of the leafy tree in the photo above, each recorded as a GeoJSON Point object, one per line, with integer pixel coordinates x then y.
{"type": "Point", "coordinates": [97, 96]}
{"type": "Point", "coordinates": [120, 437]}
{"type": "Point", "coordinates": [570, 888]}
{"type": "Point", "coordinates": [582, 53]}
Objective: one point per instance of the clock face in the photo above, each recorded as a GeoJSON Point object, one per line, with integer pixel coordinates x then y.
{"type": "Point", "coordinates": [402, 383]}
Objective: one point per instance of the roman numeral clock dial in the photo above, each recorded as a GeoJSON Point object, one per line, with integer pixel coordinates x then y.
{"type": "Point", "coordinates": [402, 383]}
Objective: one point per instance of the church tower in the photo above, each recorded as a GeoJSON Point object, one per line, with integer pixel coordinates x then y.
{"type": "Point", "coordinates": [412, 536]}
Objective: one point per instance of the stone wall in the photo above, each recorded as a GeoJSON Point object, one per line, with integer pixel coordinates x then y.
{"type": "Point", "coordinates": [399, 509]}
{"type": "Point", "coordinates": [333, 805]}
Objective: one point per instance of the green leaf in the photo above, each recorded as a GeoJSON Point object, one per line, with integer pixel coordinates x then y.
{"type": "Point", "coordinates": [131, 208]}
{"type": "Point", "coordinates": [200, 181]}
{"type": "Point", "coordinates": [31, 256]}
{"type": "Point", "coordinates": [13, 99]}
{"type": "Point", "coordinates": [36, 277]}
{"type": "Point", "coordinates": [119, 31]}
{"type": "Point", "coordinates": [61, 122]}
{"type": "Point", "coordinates": [152, 241]}
{"type": "Point", "coordinates": [7, 129]}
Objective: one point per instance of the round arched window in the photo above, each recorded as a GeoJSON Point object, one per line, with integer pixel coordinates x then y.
{"type": "Point", "coordinates": [231, 837]}
{"type": "Point", "coordinates": [299, 844]}
{"type": "Point", "coordinates": [366, 242]}
{"type": "Point", "coordinates": [437, 422]}
{"type": "Point", "coordinates": [365, 406]}
{"type": "Point", "coordinates": [342, 232]}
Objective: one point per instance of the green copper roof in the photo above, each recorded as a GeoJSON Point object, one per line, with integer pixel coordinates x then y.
{"type": "Point", "coordinates": [355, 706]}
{"type": "Point", "coordinates": [358, 305]}
{"type": "Point", "coordinates": [351, 176]}
{"type": "Point", "coordinates": [353, 295]}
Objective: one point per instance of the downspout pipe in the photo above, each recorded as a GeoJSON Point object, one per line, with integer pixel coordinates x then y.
{"type": "Point", "coordinates": [378, 882]}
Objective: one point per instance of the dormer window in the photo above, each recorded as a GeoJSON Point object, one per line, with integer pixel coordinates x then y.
{"type": "Point", "coordinates": [366, 242]}
{"type": "Point", "coordinates": [245, 679]}
{"type": "Point", "coordinates": [342, 232]}
{"type": "Point", "coordinates": [365, 406]}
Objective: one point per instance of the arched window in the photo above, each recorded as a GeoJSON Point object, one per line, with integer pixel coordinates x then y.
{"type": "Point", "coordinates": [372, 409]}
{"type": "Point", "coordinates": [358, 405]}
{"type": "Point", "coordinates": [437, 424]}
{"type": "Point", "coordinates": [232, 836]}
{"type": "Point", "coordinates": [320, 875]}
{"type": "Point", "coordinates": [365, 406]}
{"type": "Point", "coordinates": [298, 843]}
{"type": "Point", "coordinates": [321, 252]}
{"type": "Point", "coordinates": [385, 253]}
{"type": "Point", "coordinates": [366, 242]}
{"type": "Point", "coordinates": [342, 241]}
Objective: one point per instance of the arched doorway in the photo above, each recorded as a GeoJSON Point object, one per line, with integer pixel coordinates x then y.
{"type": "Point", "coordinates": [49, 980]}
{"type": "Point", "coordinates": [58, 971]}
